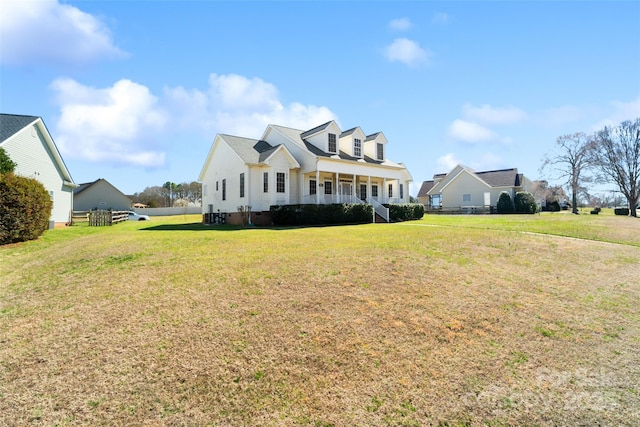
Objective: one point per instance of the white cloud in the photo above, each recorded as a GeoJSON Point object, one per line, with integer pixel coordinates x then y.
{"type": "Point", "coordinates": [440, 18]}
{"type": "Point", "coordinates": [45, 31]}
{"type": "Point", "coordinates": [125, 124]}
{"type": "Point", "coordinates": [470, 132]}
{"type": "Point", "coordinates": [489, 115]}
{"type": "Point", "coordinates": [620, 111]}
{"type": "Point", "coordinates": [400, 24]}
{"type": "Point", "coordinates": [406, 51]}
{"type": "Point", "coordinates": [238, 105]}
{"type": "Point", "coordinates": [447, 162]}
{"type": "Point", "coordinates": [118, 124]}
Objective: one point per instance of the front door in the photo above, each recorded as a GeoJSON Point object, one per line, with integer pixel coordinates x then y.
{"type": "Point", "coordinates": [346, 190]}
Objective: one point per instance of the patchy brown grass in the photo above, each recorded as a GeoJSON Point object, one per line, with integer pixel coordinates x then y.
{"type": "Point", "coordinates": [370, 325]}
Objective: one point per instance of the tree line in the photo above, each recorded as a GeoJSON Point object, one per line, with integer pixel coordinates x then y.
{"type": "Point", "coordinates": [608, 156]}
{"type": "Point", "coordinates": [171, 194]}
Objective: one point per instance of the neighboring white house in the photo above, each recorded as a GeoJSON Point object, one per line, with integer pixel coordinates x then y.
{"type": "Point", "coordinates": [285, 166]}
{"type": "Point", "coordinates": [468, 190]}
{"type": "Point", "coordinates": [99, 194]}
{"type": "Point", "coordinates": [28, 143]}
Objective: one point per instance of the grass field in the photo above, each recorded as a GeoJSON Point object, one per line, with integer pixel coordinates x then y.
{"type": "Point", "coordinates": [449, 321]}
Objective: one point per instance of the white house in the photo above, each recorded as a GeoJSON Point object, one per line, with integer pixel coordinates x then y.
{"type": "Point", "coordinates": [28, 143]}
{"type": "Point", "coordinates": [467, 190]}
{"type": "Point", "coordinates": [322, 165]}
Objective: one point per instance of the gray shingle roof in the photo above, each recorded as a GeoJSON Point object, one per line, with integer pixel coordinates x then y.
{"type": "Point", "coordinates": [348, 132]}
{"type": "Point", "coordinates": [10, 124]}
{"type": "Point", "coordinates": [249, 150]}
{"type": "Point", "coordinates": [501, 178]}
{"type": "Point", "coordinates": [424, 189]}
{"type": "Point", "coordinates": [315, 130]}
{"type": "Point", "coordinates": [84, 186]}
{"type": "Point", "coordinates": [372, 136]}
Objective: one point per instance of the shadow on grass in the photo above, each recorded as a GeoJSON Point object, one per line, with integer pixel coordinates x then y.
{"type": "Point", "coordinates": [198, 226]}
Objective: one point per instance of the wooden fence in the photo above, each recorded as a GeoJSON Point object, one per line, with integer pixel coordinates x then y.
{"type": "Point", "coordinates": [98, 217]}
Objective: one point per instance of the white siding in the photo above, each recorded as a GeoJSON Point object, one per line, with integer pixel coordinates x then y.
{"type": "Point", "coordinates": [30, 151]}
{"type": "Point", "coordinates": [225, 164]}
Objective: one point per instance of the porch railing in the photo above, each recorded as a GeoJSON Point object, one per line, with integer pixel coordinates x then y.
{"type": "Point", "coordinates": [379, 209]}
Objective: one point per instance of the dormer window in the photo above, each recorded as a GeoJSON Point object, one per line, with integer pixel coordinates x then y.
{"type": "Point", "coordinates": [380, 151]}
{"type": "Point", "coordinates": [357, 147]}
{"type": "Point", "coordinates": [332, 143]}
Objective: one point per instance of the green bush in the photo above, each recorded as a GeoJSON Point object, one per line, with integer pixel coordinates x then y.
{"type": "Point", "coordinates": [356, 213]}
{"type": "Point", "coordinates": [621, 211]}
{"type": "Point", "coordinates": [525, 203]}
{"type": "Point", "coordinates": [405, 211]}
{"type": "Point", "coordinates": [505, 205]}
{"type": "Point", "coordinates": [6, 164]}
{"type": "Point", "coordinates": [553, 206]}
{"type": "Point", "coordinates": [25, 208]}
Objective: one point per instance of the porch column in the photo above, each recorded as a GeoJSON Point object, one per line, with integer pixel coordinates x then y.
{"type": "Point", "coordinates": [318, 187]}
{"type": "Point", "coordinates": [369, 187]}
{"type": "Point", "coordinates": [385, 193]}
{"type": "Point", "coordinates": [353, 188]}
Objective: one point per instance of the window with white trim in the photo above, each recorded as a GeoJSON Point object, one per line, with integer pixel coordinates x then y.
{"type": "Point", "coordinates": [242, 185]}
{"type": "Point", "coordinates": [332, 143]}
{"type": "Point", "coordinates": [265, 182]}
{"type": "Point", "coordinates": [280, 182]}
{"type": "Point", "coordinates": [357, 147]}
{"type": "Point", "coordinates": [328, 187]}
{"type": "Point", "coordinates": [390, 190]}
{"type": "Point", "coordinates": [466, 197]}
{"type": "Point", "coordinates": [380, 151]}
{"type": "Point", "coordinates": [401, 191]}
{"type": "Point", "coordinates": [312, 187]}
{"type": "Point", "coordinates": [224, 189]}
{"type": "Point", "coordinates": [374, 190]}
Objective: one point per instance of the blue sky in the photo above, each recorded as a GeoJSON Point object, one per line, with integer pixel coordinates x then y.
{"type": "Point", "coordinates": [135, 91]}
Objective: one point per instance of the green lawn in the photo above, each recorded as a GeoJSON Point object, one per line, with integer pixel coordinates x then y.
{"type": "Point", "coordinates": [450, 320]}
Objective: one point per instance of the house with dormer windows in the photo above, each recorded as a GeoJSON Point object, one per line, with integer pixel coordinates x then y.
{"type": "Point", "coordinates": [286, 166]}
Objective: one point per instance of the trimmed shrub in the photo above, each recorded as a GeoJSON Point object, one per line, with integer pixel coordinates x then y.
{"type": "Point", "coordinates": [525, 203]}
{"type": "Point", "coordinates": [348, 213]}
{"type": "Point", "coordinates": [553, 206]}
{"type": "Point", "coordinates": [25, 208]}
{"type": "Point", "coordinates": [505, 205]}
{"type": "Point", "coordinates": [405, 211]}
{"type": "Point", "coordinates": [596, 210]}
{"type": "Point", "coordinates": [621, 211]}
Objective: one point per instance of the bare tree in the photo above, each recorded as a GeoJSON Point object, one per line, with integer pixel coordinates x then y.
{"type": "Point", "coordinates": [617, 156]}
{"type": "Point", "coordinates": [570, 161]}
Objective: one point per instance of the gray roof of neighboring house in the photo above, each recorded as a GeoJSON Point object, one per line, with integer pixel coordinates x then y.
{"type": "Point", "coordinates": [84, 186]}
{"type": "Point", "coordinates": [250, 150]}
{"type": "Point", "coordinates": [424, 189]}
{"type": "Point", "coordinates": [501, 178]}
{"type": "Point", "coordinates": [10, 124]}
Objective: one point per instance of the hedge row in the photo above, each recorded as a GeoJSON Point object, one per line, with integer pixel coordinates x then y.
{"type": "Point", "coordinates": [347, 213]}
{"type": "Point", "coordinates": [25, 208]}
{"type": "Point", "coordinates": [524, 203]}
{"type": "Point", "coordinates": [405, 212]}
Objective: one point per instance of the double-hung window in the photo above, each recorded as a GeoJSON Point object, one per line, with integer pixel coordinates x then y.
{"type": "Point", "coordinates": [390, 190]}
{"type": "Point", "coordinates": [380, 152]}
{"type": "Point", "coordinates": [357, 147]}
{"type": "Point", "coordinates": [242, 185]}
{"type": "Point", "coordinates": [332, 143]}
{"type": "Point", "coordinates": [280, 182]}
{"type": "Point", "coordinates": [312, 187]}
{"type": "Point", "coordinates": [401, 191]}
{"type": "Point", "coordinates": [328, 187]}
{"type": "Point", "coordinates": [265, 182]}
